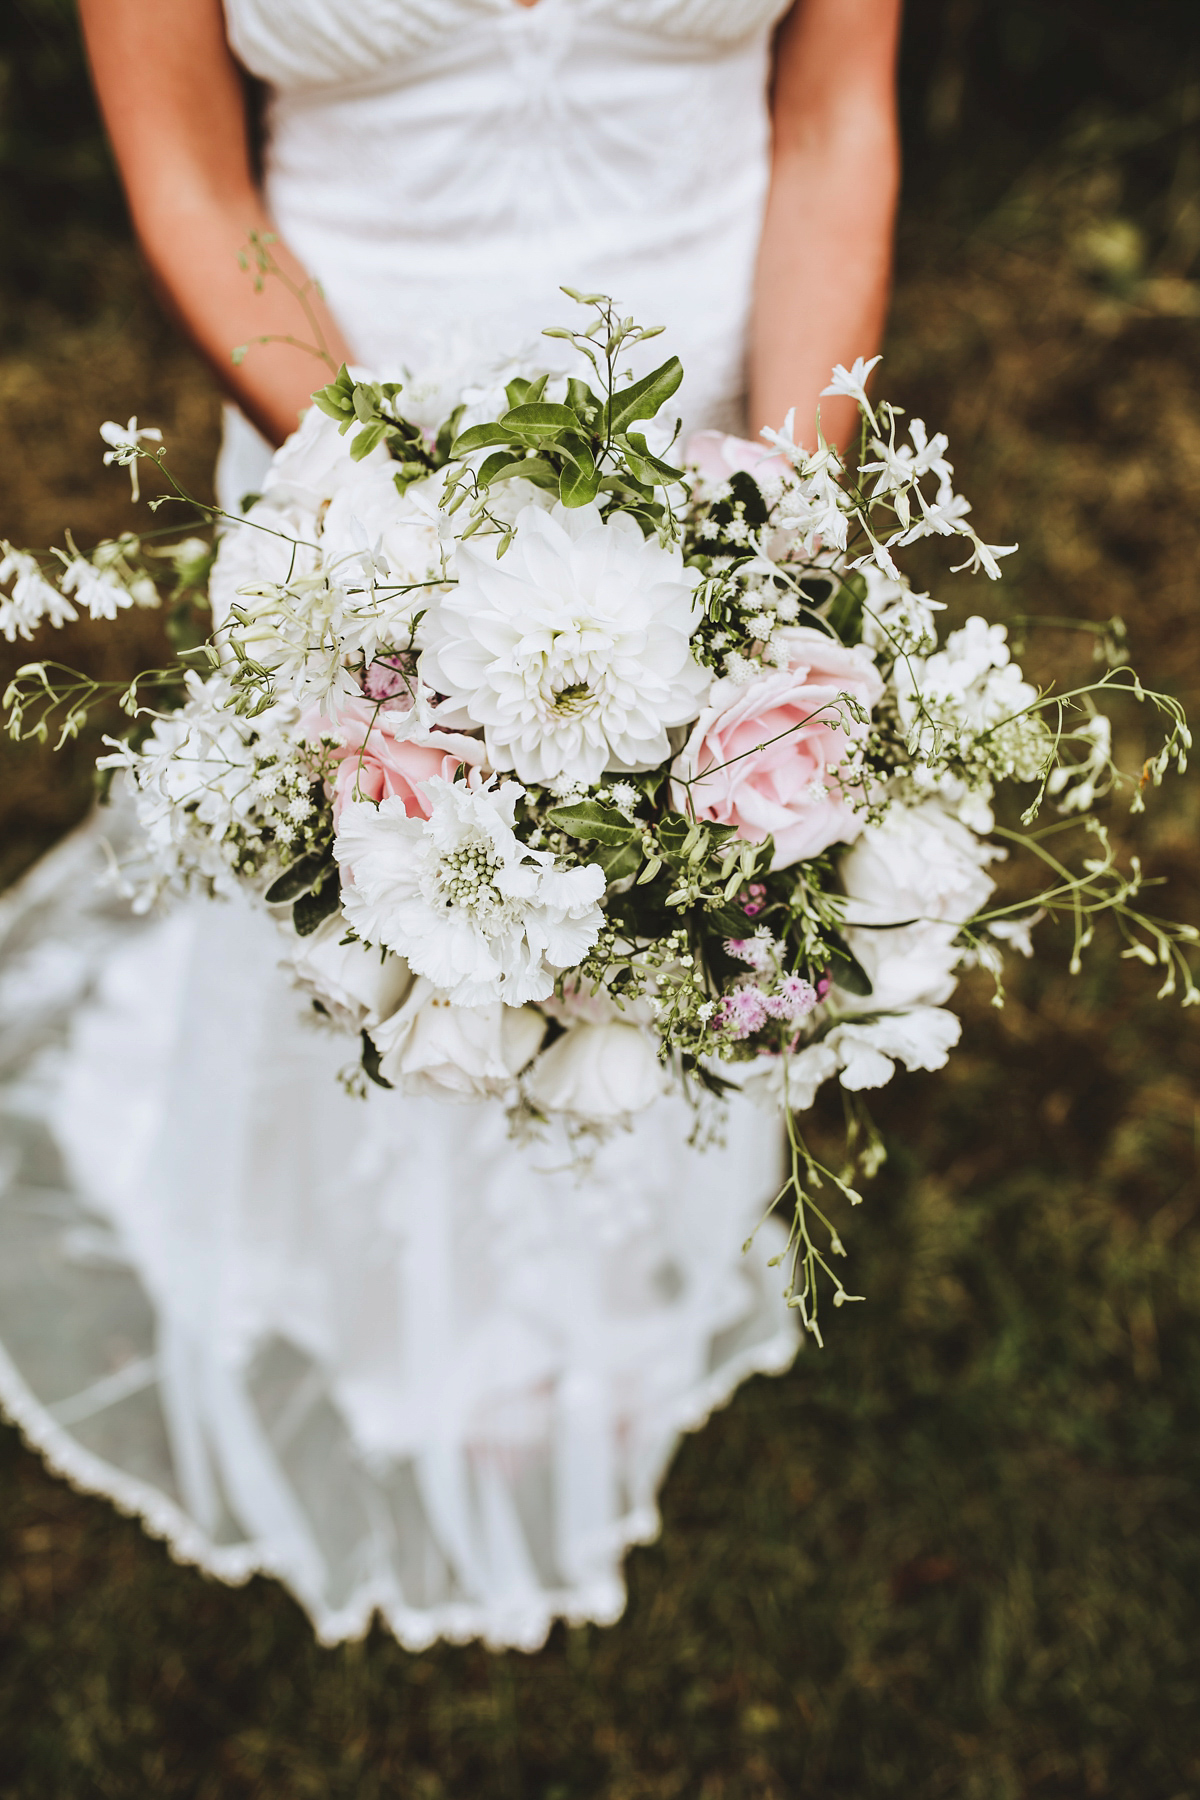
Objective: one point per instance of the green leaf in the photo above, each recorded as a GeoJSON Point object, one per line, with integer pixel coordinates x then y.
{"type": "Point", "coordinates": [578, 486]}
{"type": "Point", "coordinates": [743, 487]}
{"type": "Point", "coordinates": [366, 397]}
{"type": "Point", "coordinates": [724, 923]}
{"type": "Point", "coordinates": [299, 879]}
{"type": "Point", "coordinates": [504, 466]}
{"type": "Point", "coordinates": [367, 439]}
{"type": "Point", "coordinates": [619, 861]}
{"type": "Point", "coordinates": [543, 419]}
{"type": "Point", "coordinates": [521, 392]}
{"type": "Point", "coordinates": [846, 969]}
{"type": "Point", "coordinates": [370, 1062]}
{"type": "Point", "coordinates": [478, 437]}
{"type": "Point", "coordinates": [500, 466]}
{"type": "Point", "coordinates": [643, 399]}
{"type": "Point", "coordinates": [642, 460]}
{"type": "Point", "coordinates": [447, 432]}
{"type": "Point", "coordinates": [576, 447]}
{"type": "Point", "coordinates": [582, 401]}
{"type": "Point", "coordinates": [845, 613]}
{"type": "Point", "coordinates": [336, 400]}
{"type": "Point", "coordinates": [649, 780]}
{"type": "Point", "coordinates": [591, 820]}
{"type": "Point", "coordinates": [311, 910]}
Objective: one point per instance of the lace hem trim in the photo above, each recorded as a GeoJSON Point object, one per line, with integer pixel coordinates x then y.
{"type": "Point", "coordinates": [525, 1628]}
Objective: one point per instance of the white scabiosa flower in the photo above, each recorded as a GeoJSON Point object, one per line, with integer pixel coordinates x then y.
{"type": "Point", "coordinates": [573, 650]}
{"type": "Point", "coordinates": [469, 906]}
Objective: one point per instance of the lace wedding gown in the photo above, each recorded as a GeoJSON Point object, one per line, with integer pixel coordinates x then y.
{"type": "Point", "coordinates": [377, 1348]}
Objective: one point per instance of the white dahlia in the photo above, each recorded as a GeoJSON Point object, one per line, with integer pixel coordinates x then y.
{"type": "Point", "coordinates": [572, 650]}
{"type": "Point", "coordinates": [469, 906]}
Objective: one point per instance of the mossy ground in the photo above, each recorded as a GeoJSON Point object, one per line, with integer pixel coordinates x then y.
{"type": "Point", "coordinates": [957, 1553]}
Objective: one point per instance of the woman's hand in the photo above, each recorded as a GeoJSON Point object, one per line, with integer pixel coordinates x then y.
{"type": "Point", "coordinates": [174, 103]}
{"type": "Point", "coordinates": [824, 266]}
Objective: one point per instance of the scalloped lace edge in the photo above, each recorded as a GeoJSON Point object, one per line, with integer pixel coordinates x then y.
{"type": "Point", "coordinates": [528, 1624]}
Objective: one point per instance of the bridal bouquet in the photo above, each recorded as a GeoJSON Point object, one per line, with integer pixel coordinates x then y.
{"type": "Point", "coordinates": [574, 768]}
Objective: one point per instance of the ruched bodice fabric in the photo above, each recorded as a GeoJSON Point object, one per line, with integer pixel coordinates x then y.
{"type": "Point", "coordinates": [442, 166]}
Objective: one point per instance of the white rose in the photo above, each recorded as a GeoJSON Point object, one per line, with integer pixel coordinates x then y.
{"type": "Point", "coordinates": [274, 544]}
{"type": "Point", "coordinates": [356, 985]}
{"type": "Point", "coordinates": [597, 1071]}
{"type": "Point", "coordinates": [919, 873]}
{"type": "Point", "coordinates": [445, 1052]}
{"type": "Point", "coordinates": [368, 514]}
{"type": "Point", "coordinates": [310, 466]}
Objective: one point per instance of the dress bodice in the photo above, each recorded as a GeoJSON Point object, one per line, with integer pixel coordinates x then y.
{"type": "Point", "coordinates": [442, 166]}
{"type": "Point", "coordinates": [318, 43]}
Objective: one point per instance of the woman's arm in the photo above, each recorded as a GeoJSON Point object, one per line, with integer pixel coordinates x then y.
{"type": "Point", "coordinates": [825, 262]}
{"type": "Point", "coordinates": [173, 101]}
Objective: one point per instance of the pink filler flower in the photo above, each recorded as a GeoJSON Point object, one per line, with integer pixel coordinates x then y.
{"type": "Point", "coordinates": [790, 788]}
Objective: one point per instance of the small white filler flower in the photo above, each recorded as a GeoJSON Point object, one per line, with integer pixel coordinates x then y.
{"type": "Point", "coordinates": [126, 442]}
{"type": "Point", "coordinates": [477, 912]}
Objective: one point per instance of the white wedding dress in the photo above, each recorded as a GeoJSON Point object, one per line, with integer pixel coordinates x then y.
{"type": "Point", "coordinates": [375, 1347]}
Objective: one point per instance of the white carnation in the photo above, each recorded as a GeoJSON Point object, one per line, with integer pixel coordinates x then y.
{"type": "Point", "coordinates": [861, 1055]}
{"type": "Point", "coordinates": [573, 650]}
{"type": "Point", "coordinates": [468, 905]}
{"type": "Point", "coordinates": [922, 1037]}
{"type": "Point", "coordinates": [309, 468]}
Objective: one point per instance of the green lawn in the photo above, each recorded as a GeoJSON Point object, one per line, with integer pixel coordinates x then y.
{"type": "Point", "coordinates": [956, 1553]}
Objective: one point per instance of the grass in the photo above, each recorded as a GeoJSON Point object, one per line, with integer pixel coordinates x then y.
{"type": "Point", "coordinates": [956, 1554]}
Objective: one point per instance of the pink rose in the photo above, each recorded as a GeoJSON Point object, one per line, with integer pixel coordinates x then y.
{"type": "Point", "coordinates": [789, 789]}
{"type": "Point", "coordinates": [715, 456]}
{"type": "Point", "coordinates": [375, 761]}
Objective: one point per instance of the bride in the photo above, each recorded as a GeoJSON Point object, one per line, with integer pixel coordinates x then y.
{"type": "Point", "coordinates": [377, 1348]}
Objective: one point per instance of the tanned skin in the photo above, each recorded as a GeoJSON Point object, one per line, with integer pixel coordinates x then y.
{"type": "Point", "coordinates": [174, 103]}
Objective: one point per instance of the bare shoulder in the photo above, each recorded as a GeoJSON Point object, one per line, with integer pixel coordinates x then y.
{"type": "Point", "coordinates": [835, 56]}
{"type": "Point", "coordinates": [168, 85]}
